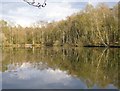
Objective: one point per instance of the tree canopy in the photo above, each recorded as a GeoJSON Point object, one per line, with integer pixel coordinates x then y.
{"type": "Point", "coordinates": [93, 26]}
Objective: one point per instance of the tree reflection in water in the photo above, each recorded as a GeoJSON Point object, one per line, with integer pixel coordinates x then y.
{"type": "Point", "coordinates": [93, 66]}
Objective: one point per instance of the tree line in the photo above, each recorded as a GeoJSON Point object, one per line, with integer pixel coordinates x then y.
{"type": "Point", "coordinates": [93, 26]}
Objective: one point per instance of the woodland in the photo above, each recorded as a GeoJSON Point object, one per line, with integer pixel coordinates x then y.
{"type": "Point", "coordinates": [91, 27]}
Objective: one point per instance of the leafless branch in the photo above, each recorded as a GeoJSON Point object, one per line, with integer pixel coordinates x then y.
{"type": "Point", "coordinates": [33, 3]}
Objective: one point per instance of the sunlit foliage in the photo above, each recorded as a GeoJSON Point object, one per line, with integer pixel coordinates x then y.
{"type": "Point", "coordinates": [93, 26]}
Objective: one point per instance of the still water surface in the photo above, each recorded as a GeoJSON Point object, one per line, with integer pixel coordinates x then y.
{"type": "Point", "coordinates": [60, 68]}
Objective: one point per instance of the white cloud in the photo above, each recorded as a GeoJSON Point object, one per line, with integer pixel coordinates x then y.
{"type": "Point", "coordinates": [95, 2]}
{"type": "Point", "coordinates": [63, 0]}
{"type": "Point", "coordinates": [24, 14]}
{"type": "Point", "coordinates": [59, 12]}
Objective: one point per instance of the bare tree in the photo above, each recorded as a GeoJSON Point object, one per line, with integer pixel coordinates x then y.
{"type": "Point", "coordinates": [36, 4]}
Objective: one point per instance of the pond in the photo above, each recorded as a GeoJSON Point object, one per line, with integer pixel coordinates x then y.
{"type": "Point", "coordinates": [60, 68]}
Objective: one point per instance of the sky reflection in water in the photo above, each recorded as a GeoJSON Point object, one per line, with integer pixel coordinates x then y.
{"type": "Point", "coordinates": [26, 76]}
{"type": "Point", "coordinates": [59, 68]}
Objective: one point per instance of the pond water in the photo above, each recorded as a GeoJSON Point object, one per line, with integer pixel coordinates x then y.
{"type": "Point", "coordinates": [60, 68]}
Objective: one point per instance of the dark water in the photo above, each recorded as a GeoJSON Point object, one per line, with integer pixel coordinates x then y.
{"type": "Point", "coordinates": [60, 68]}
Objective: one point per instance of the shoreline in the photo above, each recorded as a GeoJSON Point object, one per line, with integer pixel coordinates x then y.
{"type": "Point", "coordinates": [39, 45]}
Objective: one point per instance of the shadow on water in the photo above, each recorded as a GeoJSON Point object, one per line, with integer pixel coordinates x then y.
{"type": "Point", "coordinates": [60, 68]}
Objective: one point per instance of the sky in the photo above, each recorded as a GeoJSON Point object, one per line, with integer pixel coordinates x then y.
{"type": "Point", "coordinates": [19, 12]}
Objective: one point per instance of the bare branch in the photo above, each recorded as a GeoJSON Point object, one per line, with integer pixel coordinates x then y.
{"type": "Point", "coordinates": [33, 3]}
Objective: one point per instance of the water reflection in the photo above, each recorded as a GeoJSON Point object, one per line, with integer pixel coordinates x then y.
{"type": "Point", "coordinates": [29, 77]}
{"type": "Point", "coordinates": [0, 69]}
{"type": "Point", "coordinates": [60, 68]}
